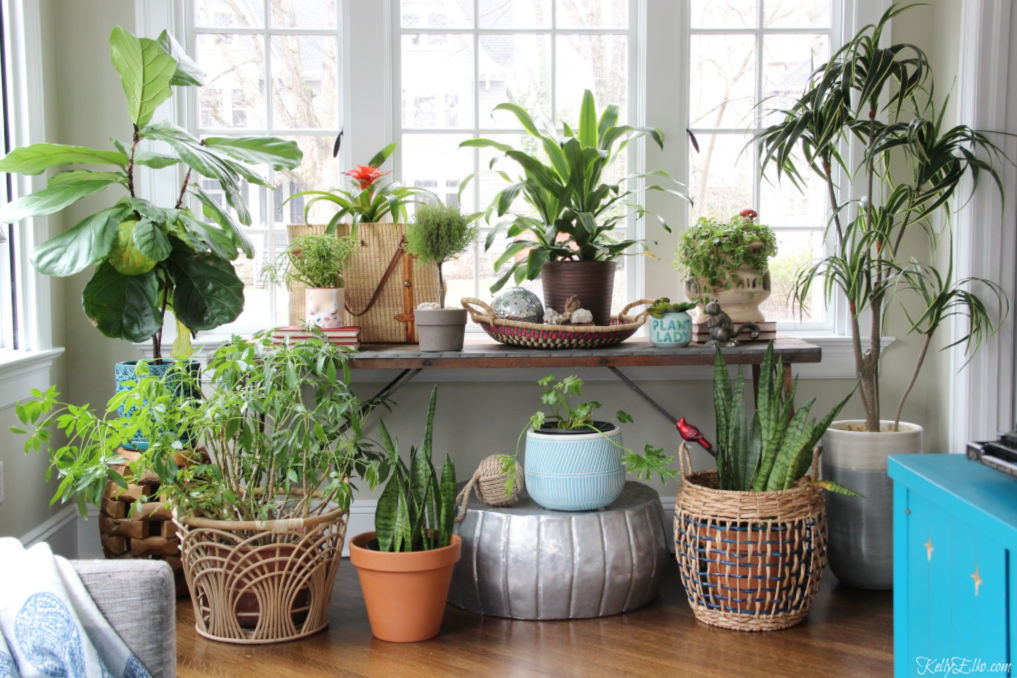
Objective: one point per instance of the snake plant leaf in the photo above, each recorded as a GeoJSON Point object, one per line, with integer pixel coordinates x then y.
{"type": "Point", "coordinates": [446, 518]}
{"type": "Point", "coordinates": [385, 516]}
{"type": "Point", "coordinates": [85, 243]}
{"type": "Point", "coordinates": [832, 486]}
{"type": "Point", "coordinates": [39, 157]}
{"type": "Point", "coordinates": [721, 399]}
{"type": "Point", "coordinates": [145, 69]}
{"type": "Point", "coordinates": [124, 306]}
{"type": "Point", "coordinates": [206, 290]}
{"type": "Point", "coordinates": [795, 436]}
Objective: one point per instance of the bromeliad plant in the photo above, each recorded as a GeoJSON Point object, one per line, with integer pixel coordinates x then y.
{"type": "Point", "coordinates": [149, 258]}
{"type": "Point", "coordinates": [416, 510]}
{"type": "Point", "coordinates": [578, 209]}
{"type": "Point", "coordinates": [880, 98]}
{"type": "Point", "coordinates": [438, 234]}
{"type": "Point", "coordinates": [774, 449]}
{"type": "Point", "coordinates": [712, 250]}
{"type": "Point", "coordinates": [368, 201]}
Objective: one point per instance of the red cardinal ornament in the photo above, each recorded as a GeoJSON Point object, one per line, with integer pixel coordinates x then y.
{"type": "Point", "coordinates": [692, 434]}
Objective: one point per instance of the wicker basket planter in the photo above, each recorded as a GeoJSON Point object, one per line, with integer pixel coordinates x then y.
{"type": "Point", "coordinates": [749, 561]}
{"type": "Point", "coordinates": [261, 581]}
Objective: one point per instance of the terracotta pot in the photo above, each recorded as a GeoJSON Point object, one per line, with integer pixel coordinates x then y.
{"type": "Point", "coordinates": [741, 301]}
{"type": "Point", "coordinates": [324, 307]}
{"type": "Point", "coordinates": [440, 329]}
{"type": "Point", "coordinates": [405, 593]}
{"type": "Point", "coordinates": [591, 281]}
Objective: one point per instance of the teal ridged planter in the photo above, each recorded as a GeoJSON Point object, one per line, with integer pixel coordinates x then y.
{"type": "Point", "coordinates": [574, 470]}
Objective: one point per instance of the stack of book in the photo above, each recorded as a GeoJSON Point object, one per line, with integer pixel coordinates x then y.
{"type": "Point", "coordinates": [767, 332]}
{"type": "Point", "coordinates": [342, 336]}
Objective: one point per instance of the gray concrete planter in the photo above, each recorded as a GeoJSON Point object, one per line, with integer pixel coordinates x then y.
{"type": "Point", "coordinates": [861, 529]}
{"type": "Point", "coordinates": [440, 329]}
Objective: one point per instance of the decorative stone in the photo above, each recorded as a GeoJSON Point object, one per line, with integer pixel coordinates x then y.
{"type": "Point", "coordinates": [526, 562]}
{"type": "Point", "coordinates": [518, 303]}
{"type": "Point", "coordinates": [582, 317]}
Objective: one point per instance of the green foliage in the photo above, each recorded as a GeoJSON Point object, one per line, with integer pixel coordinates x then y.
{"type": "Point", "coordinates": [880, 99]}
{"type": "Point", "coordinates": [416, 510]}
{"type": "Point", "coordinates": [576, 208]}
{"type": "Point", "coordinates": [662, 306]}
{"type": "Point", "coordinates": [166, 258]}
{"type": "Point", "coordinates": [439, 233]}
{"type": "Point", "coordinates": [368, 201]}
{"type": "Point", "coordinates": [282, 430]}
{"type": "Point", "coordinates": [314, 261]}
{"type": "Point", "coordinates": [773, 449]}
{"type": "Point", "coordinates": [713, 249]}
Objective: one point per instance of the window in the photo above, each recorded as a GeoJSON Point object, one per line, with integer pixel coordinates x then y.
{"type": "Point", "coordinates": [743, 53]}
{"type": "Point", "coordinates": [271, 67]}
{"type": "Point", "coordinates": [461, 58]}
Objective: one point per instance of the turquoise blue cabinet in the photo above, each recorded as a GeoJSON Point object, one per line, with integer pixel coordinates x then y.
{"type": "Point", "coordinates": [955, 561]}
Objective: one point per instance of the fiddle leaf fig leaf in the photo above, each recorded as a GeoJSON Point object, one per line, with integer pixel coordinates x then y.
{"type": "Point", "coordinates": [52, 199]}
{"type": "Point", "coordinates": [207, 292]}
{"type": "Point", "coordinates": [150, 239]}
{"type": "Point", "coordinates": [188, 72]}
{"type": "Point", "coordinates": [85, 243]}
{"type": "Point", "coordinates": [146, 70]}
{"type": "Point", "coordinates": [278, 153]}
{"type": "Point", "coordinates": [39, 157]}
{"type": "Point", "coordinates": [122, 306]}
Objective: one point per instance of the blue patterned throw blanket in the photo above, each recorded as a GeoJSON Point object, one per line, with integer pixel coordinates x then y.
{"type": "Point", "coordinates": [49, 625]}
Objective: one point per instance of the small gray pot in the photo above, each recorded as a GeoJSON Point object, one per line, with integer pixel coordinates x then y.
{"type": "Point", "coordinates": [440, 329]}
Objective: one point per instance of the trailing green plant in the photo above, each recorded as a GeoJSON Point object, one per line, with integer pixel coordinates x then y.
{"type": "Point", "coordinates": [662, 306]}
{"type": "Point", "coordinates": [571, 209]}
{"type": "Point", "coordinates": [148, 258]}
{"type": "Point", "coordinates": [713, 249]}
{"type": "Point", "coordinates": [567, 416]}
{"type": "Point", "coordinates": [315, 261]}
{"type": "Point", "coordinates": [881, 100]}
{"type": "Point", "coordinates": [281, 429]}
{"type": "Point", "coordinates": [368, 201]}
{"type": "Point", "coordinates": [439, 233]}
{"type": "Point", "coordinates": [772, 450]}
{"type": "Point", "coordinates": [416, 510]}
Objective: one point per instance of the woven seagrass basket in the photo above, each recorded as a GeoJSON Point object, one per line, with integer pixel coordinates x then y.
{"type": "Point", "coordinates": [261, 581]}
{"type": "Point", "coordinates": [749, 561]}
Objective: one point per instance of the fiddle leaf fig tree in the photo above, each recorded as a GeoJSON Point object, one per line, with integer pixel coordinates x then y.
{"type": "Point", "coordinates": [147, 258]}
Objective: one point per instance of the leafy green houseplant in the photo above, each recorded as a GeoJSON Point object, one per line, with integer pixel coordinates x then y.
{"type": "Point", "coordinates": [728, 261]}
{"type": "Point", "coordinates": [150, 258]}
{"type": "Point", "coordinates": [405, 565]}
{"type": "Point", "coordinates": [315, 262]}
{"type": "Point", "coordinates": [572, 210]}
{"type": "Point", "coordinates": [574, 462]}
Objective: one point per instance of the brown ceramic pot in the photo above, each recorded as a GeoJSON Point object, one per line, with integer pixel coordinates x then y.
{"type": "Point", "coordinates": [591, 281]}
{"type": "Point", "coordinates": [405, 593]}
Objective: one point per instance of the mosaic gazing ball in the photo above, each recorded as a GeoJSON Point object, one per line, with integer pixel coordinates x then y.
{"type": "Point", "coordinates": [518, 303]}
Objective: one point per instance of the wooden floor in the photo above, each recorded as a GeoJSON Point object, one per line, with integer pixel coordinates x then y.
{"type": "Point", "coordinates": [848, 633]}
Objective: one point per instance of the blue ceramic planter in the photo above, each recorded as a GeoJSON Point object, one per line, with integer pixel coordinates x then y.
{"type": "Point", "coordinates": [574, 471]}
{"type": "Point", "coordinates": [672, 330]}
{"type": "Point", "coordinates": [124, 372]}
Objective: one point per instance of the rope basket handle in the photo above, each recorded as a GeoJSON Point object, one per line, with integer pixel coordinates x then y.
{"type": "Point", "coordinates": [480, 312]}
{"type": "Point", "coordinates": [684, 459]}
{"type": "Point", "coordinates": [814, 469]}
{"type": "Point", "coordinates": [641, 316]}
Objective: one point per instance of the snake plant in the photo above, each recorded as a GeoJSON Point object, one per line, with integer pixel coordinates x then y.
{"type": "Point", "coordinates": [774, 449]}
{"type": "Point", "coordinates": [416, 509]}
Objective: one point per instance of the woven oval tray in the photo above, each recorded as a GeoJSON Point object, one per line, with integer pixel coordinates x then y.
{"type": "Point", "coordinates": [536, 335]}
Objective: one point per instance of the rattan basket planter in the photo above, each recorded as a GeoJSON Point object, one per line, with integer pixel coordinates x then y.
{"type": "Point", "coordinates": [749, 561]}
{"type": "Point", "coordinates": [261, 581]}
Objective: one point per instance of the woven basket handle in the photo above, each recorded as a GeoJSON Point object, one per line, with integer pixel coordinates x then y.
{"type": "Point", "coordinates": [642, 314]}
{"type": "Point", "coordinates": [684, 459]}
{"type": "Point", "coordinates": [814, 475]}
{"type": "Point", "coordinates": [479, 311]}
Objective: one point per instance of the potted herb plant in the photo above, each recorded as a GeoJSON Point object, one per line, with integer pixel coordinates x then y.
{"type": "Point", "coordinates": [670, 324]}
{"type": "Point", "coordinates": [883, 258]}
{"type": "Point", "coordinates": [750, 537]}
{"type": "Point", "coordinates": [315, 262]}
{"type": "Point", "coordinates": [405, 565]}
{"type": "Point", "coordinates": [568, 231]}
{"type": "Point", "coordinates": [574, 462]}
{"type": "Point", "coordinates": [438, 234]}
{"type": "Point", "coordinates": [727, 261]}
{"type": "Point", "coordinates": [261, 512]}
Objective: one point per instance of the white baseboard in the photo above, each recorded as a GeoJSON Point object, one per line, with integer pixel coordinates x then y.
{"type": "Point", "coordinates": [59, 531]}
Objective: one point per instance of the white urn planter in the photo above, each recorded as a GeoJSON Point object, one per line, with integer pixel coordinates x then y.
{"type": "Point", "coordinates": [861, 528]}
{"type": "Point", "coordinates": [324, 307]}
{"type": "Point", "coordinates": [741, 301]}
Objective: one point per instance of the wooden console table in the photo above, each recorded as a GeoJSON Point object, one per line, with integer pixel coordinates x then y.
{"type": "Point", "coordinates": [486, 353]}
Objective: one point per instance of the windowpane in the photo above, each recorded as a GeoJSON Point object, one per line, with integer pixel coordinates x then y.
{"type": "Point", "coordinates": [795, 249]}
{"type": "Point", "coordinates": [234, 93]}
{"type": "Point", "coordinates": [436, 13]}
{"type": "Point", "coordinates": [723, 69]}
{"type": "Point", "coordinates": [784, 205]}
{"type": "Point", "coordinates": [517, 68]}
{"type": "Point", "coordinates": [595, 62]}
{"type": "Point", "coordinates": [437, 81]}
{"type": "Point", "coordinates": [229, 13]}
{"type": "Point", "coordinates": [305, 82]}
{"type": "Point", "coordinates": [796, 13]}
{"type": "Point", "coordinates": [788, 60]}
{"type": "Point", "coordinates": [722, 176]}
{"type": "Point", "coordinates": [435, 162]}
{"type": "Point", "coordinates": [317, 171]}
{"type": "Point", "coordinates": [304, 13]}
{"type": "Point", "coordinates": [586, 14]}
{"type": "Point", "coordinates": [727, 14]}
{"type": "Point", "coordinates": [514, 13]}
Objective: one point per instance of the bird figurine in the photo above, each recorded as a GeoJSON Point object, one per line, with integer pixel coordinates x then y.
{"type": "Point", "coordinates": [692, 434]}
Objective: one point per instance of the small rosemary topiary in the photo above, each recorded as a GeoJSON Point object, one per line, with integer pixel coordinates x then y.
{"type": "Point", "coordinates": [315, 261]}
{"type": "Point", "coordinates": [439, 233]}
{"type": "Point", "coordinates": [713, 249]}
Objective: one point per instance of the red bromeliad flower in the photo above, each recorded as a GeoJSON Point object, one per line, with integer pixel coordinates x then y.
{"type": "Point", "coordinates": [365, 175]}
{"type": "Point", "coordinates": [748, 214]}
